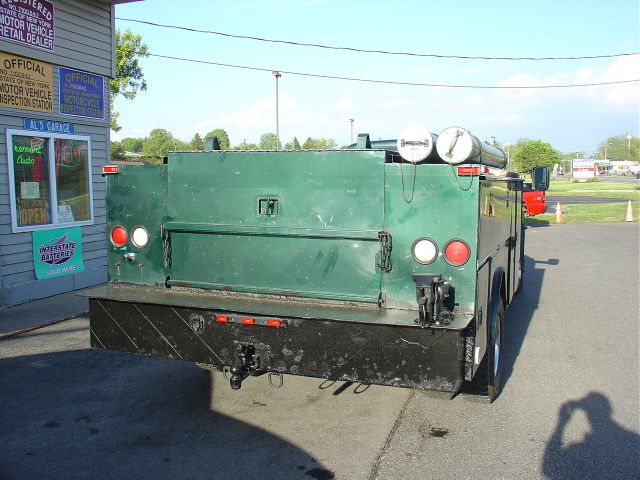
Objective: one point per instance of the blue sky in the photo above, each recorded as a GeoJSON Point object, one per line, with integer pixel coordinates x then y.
{"type": "Point", "coordinates": [185, 97]}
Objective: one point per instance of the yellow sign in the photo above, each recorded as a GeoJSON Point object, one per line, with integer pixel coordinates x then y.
{"type": "Point", "coordinates": [25, 83]}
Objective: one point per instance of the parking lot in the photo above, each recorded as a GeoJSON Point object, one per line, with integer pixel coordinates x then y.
{"type": "Point", "coordinates": [569, 407]}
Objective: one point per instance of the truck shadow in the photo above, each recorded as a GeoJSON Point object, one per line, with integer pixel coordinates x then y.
{"type": "Point", "coordinates": [99, 414]}
{"type": "Point", "coordinates": [521, 311]}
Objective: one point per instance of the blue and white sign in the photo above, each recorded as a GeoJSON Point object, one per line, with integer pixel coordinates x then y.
{"type": "Point", "coordinates": [48, 126]}
{"type": "Point", "coordinates": [81, 93]}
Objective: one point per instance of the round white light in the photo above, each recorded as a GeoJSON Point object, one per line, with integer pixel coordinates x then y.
{"type": "Point", "coordinates": [139, 237]}
{"type": "Point", "coordinates": [424, 250]}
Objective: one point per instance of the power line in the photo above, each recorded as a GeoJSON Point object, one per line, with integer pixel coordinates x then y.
{"type": "Point", "coordinates": [391, 82]}
{"type": "Point", "coordinates": [383, 52]}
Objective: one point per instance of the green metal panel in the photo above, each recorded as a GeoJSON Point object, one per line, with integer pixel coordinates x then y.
{"type": "Point", "coordinates": [430, 201]}
{"type": "Point", "coordinates": [137, 196]}
{"type": "Point", "coordinates": [300, 223]}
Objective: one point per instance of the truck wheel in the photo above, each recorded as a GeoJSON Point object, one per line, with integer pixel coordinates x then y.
{"type": "Point", "coordinates": [487, 381]}
{"type": "Point", "coordinates": [494, 360]}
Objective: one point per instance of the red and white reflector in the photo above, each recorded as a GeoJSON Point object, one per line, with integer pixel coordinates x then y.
{"type": "Point", "coordinates": [118, 236]}
{"type": "Point", "coordinates": [109, 169]}
{"type": "Point", "coordinates": [472, 170]}
{"type": "Point", "coordinates": [456, 252]}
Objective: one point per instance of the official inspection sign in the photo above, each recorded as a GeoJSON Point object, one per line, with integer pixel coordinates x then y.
{"type": "Point", "coordinates": [25, 83]}
{"type": "Point", "coordinates": [29, 22]}
{"type": "Point", "coordinates": [81, 93]}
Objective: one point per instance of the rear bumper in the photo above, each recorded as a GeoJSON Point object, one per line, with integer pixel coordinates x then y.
{"type": "Point", "coordinates": [354, 343]}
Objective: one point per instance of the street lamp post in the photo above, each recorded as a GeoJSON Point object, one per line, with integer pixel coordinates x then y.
{"type": "Point", "coordinates": [277, 75]}
{"type": "Point", "coordinates": [628, 145]}
{"type": "Point", "coordinates": [351, 120]}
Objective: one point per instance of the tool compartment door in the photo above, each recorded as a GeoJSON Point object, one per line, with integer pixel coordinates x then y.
{"type": "Point", "coordinates": [295, 223]}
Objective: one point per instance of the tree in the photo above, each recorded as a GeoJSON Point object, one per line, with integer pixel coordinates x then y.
{"type": "Point", "coordinates": [319, 144]}
{"type": "Point", "coordinates": [117, 152]}
{"type": "Point", "coordinates": [132, 144]}
{"type": "Point", "coordinates": [618, 148]}
{"type": "Point", "coordinates": [268, 141]}
{"type": "Point", "coordinates": [197, 143]}
{"type": "Point", "coordinates": [293, 144]}
{"type": "Point", "coordinates": [534, 153]}
{"type": "Point", "coordinates": [158, 143]}
{"type": "Point", "coordinates": [129, 78]}
{"type": "Point", "coordinates": [223, 138]}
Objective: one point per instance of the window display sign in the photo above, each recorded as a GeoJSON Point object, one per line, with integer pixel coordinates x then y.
{"type": "Point", "coordinates": [81, 94]}
{"type": "Point", "coordinates": [25, 84]}
{"type": "Point", "coordinates": [49, 180]}
{"type": "Point", "coordinates": [27, 22]}
{"type": "Point", "coordinates": [57, 252]}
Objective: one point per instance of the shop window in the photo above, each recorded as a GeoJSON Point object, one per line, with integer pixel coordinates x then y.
{"type": "Point", "coordinates": [49, 180]}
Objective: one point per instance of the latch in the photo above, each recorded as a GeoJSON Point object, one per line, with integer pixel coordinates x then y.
{"type": "Point", "coordinates": [384, 262]}
{"type": "Point", "coordinates": [268, 207]}
{"type": "Point", "coordinates": [430, 295]}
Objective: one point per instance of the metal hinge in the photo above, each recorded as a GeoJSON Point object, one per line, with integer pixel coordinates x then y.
{"type": "Point", "coordinates": [166, 248]}
{"type": "Point", "coordinates": [384, 262]}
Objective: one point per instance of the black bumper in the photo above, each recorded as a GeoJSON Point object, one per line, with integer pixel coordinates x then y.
{"type": "Point", "coordinates": [370, 353]}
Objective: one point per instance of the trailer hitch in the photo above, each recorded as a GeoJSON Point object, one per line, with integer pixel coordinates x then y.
{"type": "Point", "coordinates": [430, 295]}
{"type": "Point", "coordinates": [246, 365]}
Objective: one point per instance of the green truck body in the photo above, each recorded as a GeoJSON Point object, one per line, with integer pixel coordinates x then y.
{"type": "Point", "coordinates": [311, 263]}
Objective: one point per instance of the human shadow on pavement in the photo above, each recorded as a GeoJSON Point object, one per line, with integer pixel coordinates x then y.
{"type": "Point", "coordinates": [607, 451]}
{"type": "Point", "coordinates": [90, 414]}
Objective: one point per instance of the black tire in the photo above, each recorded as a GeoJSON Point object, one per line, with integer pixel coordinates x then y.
{"type": "Point", "coordinates": [487, 381]}
{"type": "Point", "coordinates": [494, 351]}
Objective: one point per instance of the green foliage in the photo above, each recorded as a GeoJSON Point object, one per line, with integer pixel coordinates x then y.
{"type": "Point", "coordinates": [533, 153]}
{"type": "Point", "coordinates": [197, 143]}
{"type": "Point", "coordinates": [129, 78]}
{"type": "Point", "coordinates": [132, 144]}
{"type": "Point", "coordinates": [223, 137]}
{"type": "Point", "coordinates": [293, 144]}
{"type": "Point", "coordinates": [268, 141]}
{"type": "Point", "coordinates": [117, 151]}
{"type": "Point", "coordinates": [158, 144]}
{"type": "Point", "coordinates": [618, 148]}
{"type": "Point", "coordinates": [319, 144]}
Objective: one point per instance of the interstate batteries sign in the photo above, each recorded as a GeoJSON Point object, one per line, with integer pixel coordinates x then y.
{"type": "Point", "coordinates": [81, 93]}
{"type": "Point", "coordinates": [25, 83]}
{"type": "Point", "coordinates": [57, 252]}
{"type": "Point", "coordinates": [29, 22]}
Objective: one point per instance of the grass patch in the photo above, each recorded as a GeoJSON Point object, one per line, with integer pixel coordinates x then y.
{"type": "Point", "coordinates": [589, 213]}
{"type": "Point", "coordinates": [595, 189]}
{"type": "Point", "coordinates": [593, 212]}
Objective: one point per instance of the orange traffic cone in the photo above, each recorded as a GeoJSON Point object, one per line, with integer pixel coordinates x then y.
{"type": "Point", "coordinates": [629, 217]}
{"type": "Point", "coordinates": [559, 217]}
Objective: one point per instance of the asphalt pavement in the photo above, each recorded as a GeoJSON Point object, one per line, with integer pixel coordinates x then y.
{"type": "Point", "coordinates": [569, 407]}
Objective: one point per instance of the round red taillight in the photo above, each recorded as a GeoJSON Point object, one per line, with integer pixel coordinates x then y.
{"type": "Point", "coordinates": [118, 236]}
{"type": "Point", "coordinates": [456, 252]}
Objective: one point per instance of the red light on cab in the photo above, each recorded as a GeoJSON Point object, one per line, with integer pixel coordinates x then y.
{"type": "Point", "coordinates": [109, 169]}
{"type": "Point", "coordinates": [272, 322]}
{"type": "Point", "coordinates": [248, 321]}
{"type": "Point", "coordinates": [222, 319]}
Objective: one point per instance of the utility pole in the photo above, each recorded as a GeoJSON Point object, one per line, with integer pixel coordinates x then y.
{"type": "Point", "coordinates": [351, 120]}
{"type": "Point", "coordinates": [277, 75]}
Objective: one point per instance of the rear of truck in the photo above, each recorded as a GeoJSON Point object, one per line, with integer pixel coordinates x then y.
{"type": "Point", "coordinates": [344, 265]}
